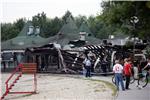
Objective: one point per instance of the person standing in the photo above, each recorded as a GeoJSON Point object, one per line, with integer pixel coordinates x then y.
{"type": "Point", "coordinates": [135, 69]}
{"type": "Point", "coordinates": [3, 62]}
{"type": "Point", "coordinates": [125, 61]}
{"type": "Point", "coordinates": [118, 70]}
{"type": "Point", "coordinates": [104, 67]}
{"type": "Point", "coordinates": [19, 58]}
{"type": "Point", "coordinates": [87, 63]}
{"type": "Point", "coordinates": [147, 67]}
{"type": "Point", "coordinates": [128, 73]}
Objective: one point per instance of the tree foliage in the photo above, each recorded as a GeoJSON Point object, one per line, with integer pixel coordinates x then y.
{"type": "Point", "coordinates": [9, 30]}
{"type": "Point", "coordinates": [48, 27]}
{"type": "Point", "coordinates": [66, 15]}
{"type": "Point", "coordinates": [115, 19]}
{"type": "Point", "coordinates": [79, 20]}
{"type": "Point", "coordinates": [120, 12]}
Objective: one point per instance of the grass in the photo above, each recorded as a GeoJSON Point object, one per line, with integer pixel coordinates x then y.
{"type": "Point", "coordinates": [97, 90]}
{"type": "Point", "coordinates": [27, 95]}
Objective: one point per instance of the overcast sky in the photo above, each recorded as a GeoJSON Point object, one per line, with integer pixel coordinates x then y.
{"type": "Point", "coordinates": [14, 9]}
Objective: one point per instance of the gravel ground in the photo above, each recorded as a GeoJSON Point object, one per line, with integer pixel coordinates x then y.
{"type": "Point", "coordinates": [59, 87]}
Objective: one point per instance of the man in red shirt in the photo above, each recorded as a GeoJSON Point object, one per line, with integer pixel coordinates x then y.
{"type": "Point", "coordinates": [127, 72]}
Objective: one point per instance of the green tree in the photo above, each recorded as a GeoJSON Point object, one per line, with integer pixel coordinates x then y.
{"type": "Point", "coordinates": [40, 20]}
{"type": "Point", "coordinates": [11, 30]}
{"type": "Point", "coordinates": [20, 23]}
{"type": "Point", "coordinates": [66, 15]}
{"type": "Point", "coordinates": [8, 31]}
{"type": "Point", "coordinates": [120, 12]}
{"type": "Point", "coordinates": [80, 19]}
{"type": "Point", "coordinates": [53, 26]}
{"type": "Point", "coordinates": [49, 27]}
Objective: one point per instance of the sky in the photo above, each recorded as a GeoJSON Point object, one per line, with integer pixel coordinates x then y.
{"type": "Point", "coordinates": [10, 10]}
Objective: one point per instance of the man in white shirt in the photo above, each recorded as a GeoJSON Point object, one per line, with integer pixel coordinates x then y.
{"type": "Point", "coordinates": [87, 64]}
{"type": "Point", "coordinates": [118, 70]}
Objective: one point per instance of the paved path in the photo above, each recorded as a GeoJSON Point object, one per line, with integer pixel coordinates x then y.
{"type": "Point", "coordinates": [134, 94]}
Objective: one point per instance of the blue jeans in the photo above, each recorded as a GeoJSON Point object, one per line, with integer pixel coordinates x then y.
{"type": "Point", "coordinates": [119, 79]}
{"type": "Point", "coordinates": [88, 71]}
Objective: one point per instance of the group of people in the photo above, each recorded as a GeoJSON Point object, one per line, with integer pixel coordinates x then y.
{"type": "Point", "coordinates": [127, 70]}
{"type": "Point", "coordinates": [90, 62]}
